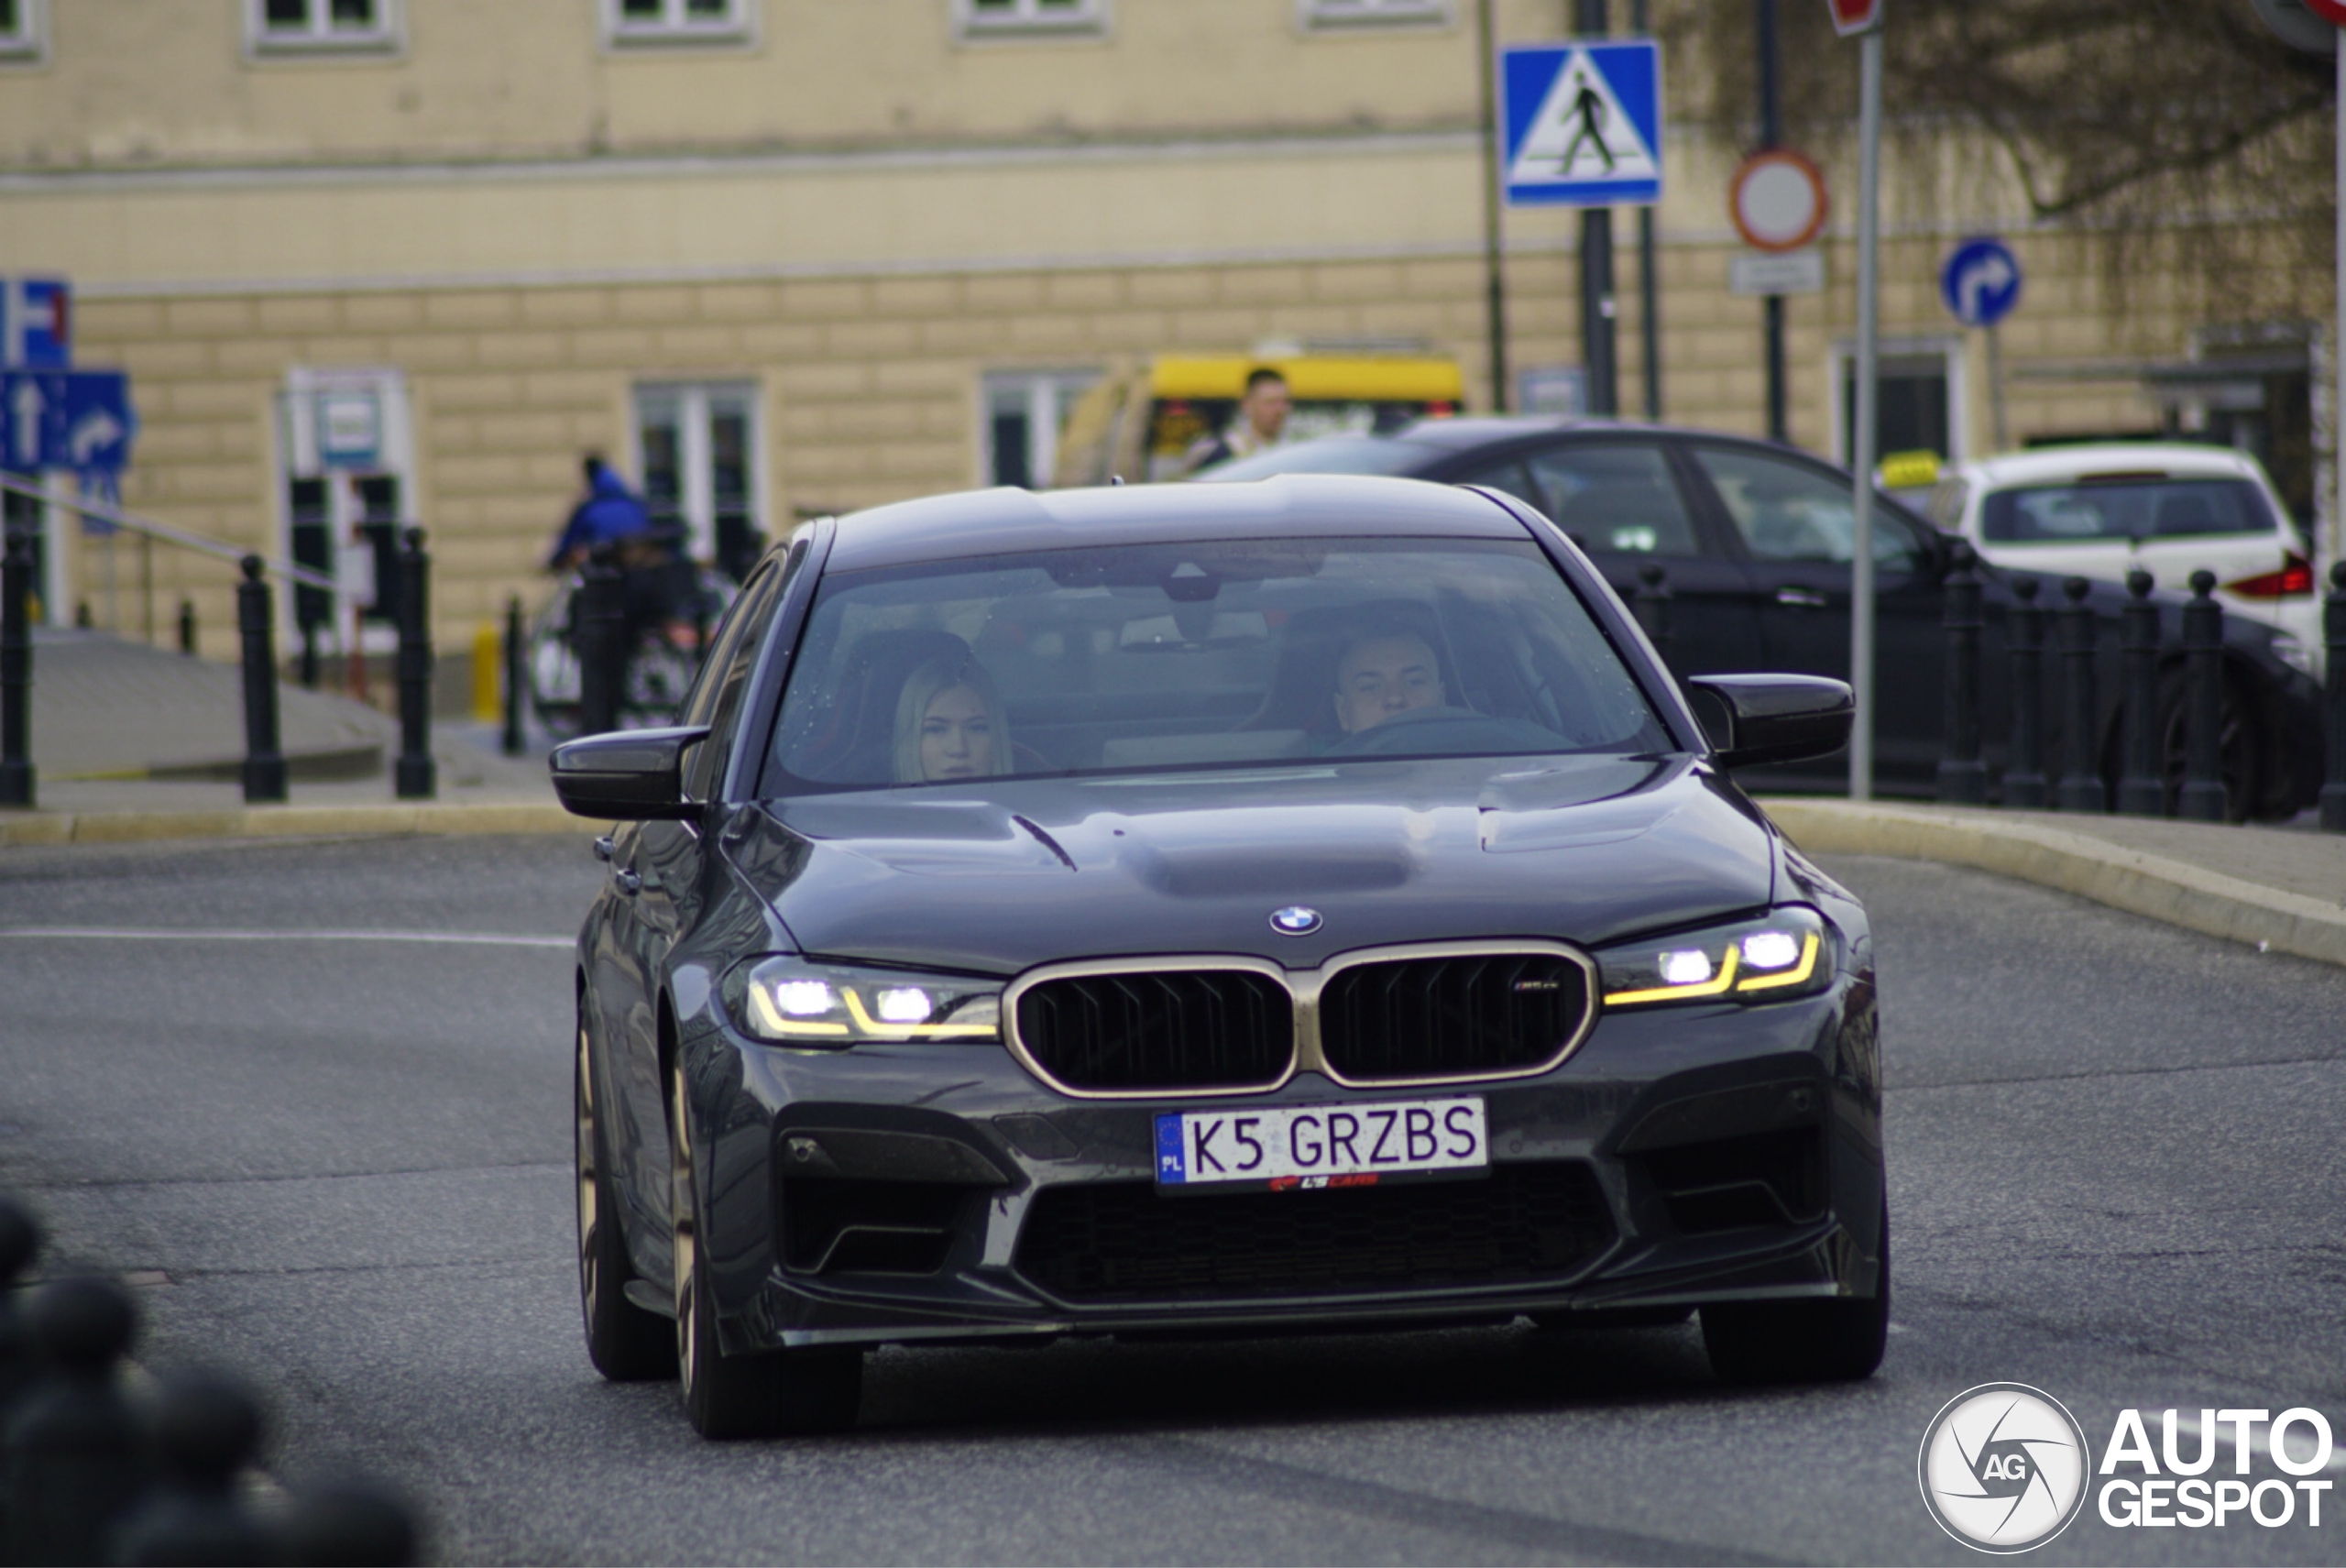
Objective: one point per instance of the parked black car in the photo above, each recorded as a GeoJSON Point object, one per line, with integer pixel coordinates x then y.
{"type": "Point", "coordinates": [1258, 908]}
{"type": "Point", "coordinates": [1755, 542]}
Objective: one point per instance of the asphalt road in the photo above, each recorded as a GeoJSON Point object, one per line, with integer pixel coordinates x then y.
{"type": "Point", "coordinates": [343, 1168]}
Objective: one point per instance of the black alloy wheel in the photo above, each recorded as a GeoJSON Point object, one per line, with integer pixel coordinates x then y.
{"type": "Point", "coordinates": [627, 1344]}
{"type": "Point", "coordinates": [1835, 1341]}
{"type": "Point", "coordinates": [765, 1394]}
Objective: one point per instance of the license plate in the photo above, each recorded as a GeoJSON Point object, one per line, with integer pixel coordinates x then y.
{"type": "Point", "coordinates": [1286, 1147]}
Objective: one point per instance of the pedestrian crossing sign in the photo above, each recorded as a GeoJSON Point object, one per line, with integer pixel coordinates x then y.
{"type": "Point", "coordinates": [1580, 124]}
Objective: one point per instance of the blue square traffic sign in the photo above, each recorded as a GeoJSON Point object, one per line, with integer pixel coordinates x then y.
{"type": "Point", "coordinates": [36, 324]}
{"type": "Point", "coordinates": [1580, 124]}
{"type": "Point", "coordinates": [80, 420]}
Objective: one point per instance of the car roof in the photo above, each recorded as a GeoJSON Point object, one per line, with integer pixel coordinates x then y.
{"type": "Point", "coordinates": [2054, 464]}
{"type": "Point", "coordinates": [1012, 521]}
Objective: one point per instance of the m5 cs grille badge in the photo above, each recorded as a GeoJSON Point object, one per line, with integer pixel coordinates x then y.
{"type": "Point", "coordinates": [1295, 920]}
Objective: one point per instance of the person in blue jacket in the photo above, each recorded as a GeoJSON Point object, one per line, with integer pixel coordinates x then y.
{"type": "Point", "coordinates": [608, 514]}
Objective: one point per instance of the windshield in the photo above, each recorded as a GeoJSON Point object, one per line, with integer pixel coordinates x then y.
{"type": "Point", "coordinates": [1329, 454]}
{"type": "Point", "coordinates": [1144, 657]}
{"type": "Point", "coordinates": [2134, 509]}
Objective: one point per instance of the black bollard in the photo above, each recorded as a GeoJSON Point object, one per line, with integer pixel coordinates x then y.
{"type": "Point", "coordinates": [76, 1454]}
{"type": "Point", "coordinates": [2203, 702]}
{"type": "Point", "coordinates": [81, 614]}
{"type": "Point", "coordinates": [2141, 791]}
{"type": "Point", "coordinates": [264, 762]}
{"type": "Point", "coordinates": [598, 621]}
{"type": "Point", "coordinates": [1963, 777]}
{"type": "Point", "coordinates": [350, 1522]}
{"type": "Point", "coordinates": [2333, 639]}
{"type": "Point", "coordinates": [2024, 764]}
{"type": "Point", "coordinates": [17, 670]}
{"type": "Point", "coordinates": [206, 1429]}
{"type": "Point", "coordinates": [310, 655]}
{"type": "Point", "coordinates": [517, 676]}
{"type": "Point", "coordinates": [1651, 606]}
{"type": "Point", "coordinates": [417, 773]}
{"type": "Point", "coordinates": [2081, 788]}
{"type": "Point", "coordinates": [187, 626]}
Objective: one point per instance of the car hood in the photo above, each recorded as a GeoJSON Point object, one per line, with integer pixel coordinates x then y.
{"type": "Point", "coordinates": [998, 877]}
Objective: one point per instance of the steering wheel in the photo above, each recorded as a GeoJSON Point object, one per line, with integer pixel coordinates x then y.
{"type": "Point", "coordinates": [1445, 730]}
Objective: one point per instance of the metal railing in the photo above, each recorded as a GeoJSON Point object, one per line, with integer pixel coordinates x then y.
{"type": "Point", "coordinates": [148, 530]}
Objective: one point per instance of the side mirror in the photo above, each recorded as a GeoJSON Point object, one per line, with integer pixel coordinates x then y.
{"type": "Point", "coordinates": [1752, 720]}
{"type": "Point", "coordinates": [628, 775]}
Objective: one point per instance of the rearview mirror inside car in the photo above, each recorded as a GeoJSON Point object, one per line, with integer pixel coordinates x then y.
{"type": "Point", "coordinates": [628, 775]}
{"type": "Point", "coordinates": [1754, 719]}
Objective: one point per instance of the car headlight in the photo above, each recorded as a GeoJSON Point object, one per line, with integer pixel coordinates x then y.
{"type": "Point", "coordinates": [795, 1002]}
{"type": "Point", "coordinates": [1788, 953]}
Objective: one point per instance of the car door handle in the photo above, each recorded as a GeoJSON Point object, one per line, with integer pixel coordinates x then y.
{"type": "Point", "coordinates": [1801, 598]}
{"type": "Point", "coordinates": [630, 882]}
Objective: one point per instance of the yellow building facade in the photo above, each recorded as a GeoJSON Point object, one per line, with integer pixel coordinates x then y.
{"type": "Point", "coordinates": [787, 256]}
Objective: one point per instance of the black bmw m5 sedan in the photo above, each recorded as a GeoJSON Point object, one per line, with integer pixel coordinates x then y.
{"type": "Point", "coordinates": [1246, 908]}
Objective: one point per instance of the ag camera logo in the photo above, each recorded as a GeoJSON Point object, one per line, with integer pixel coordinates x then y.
{"type": "Point", "coordinates": [2003, 1468]}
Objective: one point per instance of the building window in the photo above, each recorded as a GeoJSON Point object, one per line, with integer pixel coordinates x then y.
{"type": "Point", "coordinates": [1024, 412]}
{"type": "Point", "coordinates": [311, 25]}
{"type": "Point", "coordinates": [986, 18]}
{"type": "Point", "coordinates": [629, 22]}
{"type": "Point", "coordinates": [1921, 402]}
{"type": "Point", "coordinates": [24, 30]}
{"type": "Point", "coordinates": [696, 449]}
{"type": "Point", "coordinates": [1316, 13]}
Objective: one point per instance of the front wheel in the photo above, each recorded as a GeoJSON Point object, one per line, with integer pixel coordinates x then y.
{"type": "Point", "coordinates": [760, 1395]}
{"type": "Point", "coordinates": [1837, 1341]}
{"type": "Point", "coordinates": [626, 1343]}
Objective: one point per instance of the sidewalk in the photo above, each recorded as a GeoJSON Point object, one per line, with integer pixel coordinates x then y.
{"type": "Point", "coordinates": [133, 743]}
{"type": "Point", "coordinates": [2277, 887]}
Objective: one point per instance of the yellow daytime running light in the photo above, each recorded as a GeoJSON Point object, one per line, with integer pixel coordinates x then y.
{"type": "Point", "coordinates": [1713, 987]}
{"type": "Point", "coordinates": [1806, 967]}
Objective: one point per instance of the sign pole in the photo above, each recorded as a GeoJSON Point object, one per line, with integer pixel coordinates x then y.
{"type": "Point", "coordinates": [1772, 134]}
{"type": "Point", "coordinates": [1597, 310]}
{"type": "Point", "coordinates": [1495, 280]}
{"type": "Point", "coordinates": [1997, 422]}
{"type": "Point", "coordinates": [1649, 302]}
{"type": "Point", "coordinates": [1862, 575]}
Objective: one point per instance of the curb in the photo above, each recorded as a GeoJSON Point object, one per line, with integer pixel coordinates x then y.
{"type": "Point", "coordinates": [2140, 883]}
{"type": "Point", "coordinates": [387, 820]}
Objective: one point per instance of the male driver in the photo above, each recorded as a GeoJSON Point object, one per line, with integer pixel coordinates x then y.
{"type": "Point", "coordinates": [1382, 675]}
{"type": "Point", "coordinates": [1262, 419]}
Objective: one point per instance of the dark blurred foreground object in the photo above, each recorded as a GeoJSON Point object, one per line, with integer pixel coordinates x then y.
{"type": "Point", "coordinates": [205, 1429]}
{"type": "Point", "coordinates": [91, 1473]}
{"type": "Point", "coordinates": [75, 1452]}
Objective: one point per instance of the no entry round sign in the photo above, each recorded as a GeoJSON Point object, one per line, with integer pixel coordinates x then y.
{"type": "Point", "coordinates": [1777, 200]}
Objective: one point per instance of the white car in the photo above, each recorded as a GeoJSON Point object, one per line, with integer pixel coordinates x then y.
{"type": "Point", "coordinates": [2169, 507]}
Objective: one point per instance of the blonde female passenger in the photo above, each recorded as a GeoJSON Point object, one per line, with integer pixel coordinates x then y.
{"type": "Point", "coordinates": [950, 725]}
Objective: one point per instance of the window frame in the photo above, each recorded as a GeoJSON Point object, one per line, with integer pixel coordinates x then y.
{"type": "Point", "coordinates": [739, 29]}
{"type": "Point", "coordinates": [1889, 516]}
{"type": "Point", "coordinates": [27, 44]}
{"type": "Point", "coordinates": [1363, 15]}
{"type": "Point", "coordinates": [1047, 394]}
{"type": "Point", "coordinates": [387, 37]}
{"type": "Point", "coordinates": [1089, 20]}
{"type": "Point", "coordinates": [696, 500]}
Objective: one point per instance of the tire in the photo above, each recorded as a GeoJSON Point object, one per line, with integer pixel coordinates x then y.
{"type": "Point", "coordinates": [1837, 1341]}
{"type": "Point", "coordinates": [626, 1343]}
{"type": "Point", "coordinates": [766, 1394]}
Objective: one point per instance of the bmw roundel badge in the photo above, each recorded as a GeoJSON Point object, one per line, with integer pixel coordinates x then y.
{"type": "Point", "coordinates": [1295, 920]}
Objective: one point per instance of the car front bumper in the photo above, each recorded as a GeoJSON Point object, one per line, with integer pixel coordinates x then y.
{"type": "Point", "coordinates": [1683, 1155]}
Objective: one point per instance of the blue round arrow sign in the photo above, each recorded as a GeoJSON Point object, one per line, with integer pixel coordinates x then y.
{"type": "Point", "coordinates": [1981, 281]}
